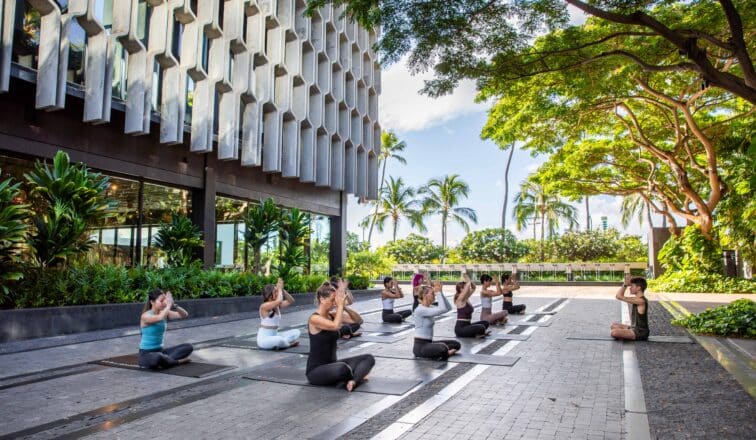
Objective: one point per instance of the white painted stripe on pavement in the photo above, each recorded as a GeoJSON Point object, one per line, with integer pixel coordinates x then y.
{"type": "Point", "coordinates": [636, 417]}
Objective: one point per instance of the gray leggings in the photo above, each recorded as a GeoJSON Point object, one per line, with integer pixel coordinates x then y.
{"type": "Point", "coordinates": [164, 358]}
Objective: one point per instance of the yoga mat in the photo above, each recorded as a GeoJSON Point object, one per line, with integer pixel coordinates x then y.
{"type": "Point", "coordinates": [382, 327]}
{"type": "Point", "coordinates": [528, 323]}
{"type": "Point", "coordinates": [496, 336]}
{"type": "Point", "coordinates": [252, 345]}
{"type": "Point", "coordinates": [659, 339]}
{"type": "Point", "coordinates": [191, 369]}
{"type": "Point", "coordinates": [464, 358]}
{"type": "Point", "coordinates": [383, 339]}
{"type": "Point", "coordinates": [294, 374]}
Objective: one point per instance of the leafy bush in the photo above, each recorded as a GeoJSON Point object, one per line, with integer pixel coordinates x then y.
{"type": "Point", "coordinates": [413, 249]}
{"type": "Point", "coordinates": [494, 245]}
{"type": "Point", "coordinates": [294, 232]}
{"type": "Point", "coordinates": [595, 245]}
{"type": "Point", "coordinates": [698, 281]}
{"type": "Point", "coordinates": [181, 240]}
{"type": "Point", "coordinates": [102, 284]}
{"type": "Point", "coordinates": [735, 319]}
{"type": "Point", "coordinates": [370, 264]}
{"type": "Point", "coordinates": [259, 223]}
{"type": "Point", "coordinates": [358, 282]}
{"type": "Point", "coordinates": [13, 232]}
{"type": "Point", "coordinates": [691, 251]}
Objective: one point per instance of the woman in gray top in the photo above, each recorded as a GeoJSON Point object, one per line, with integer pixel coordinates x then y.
{"type": "Point", "coordinates": [425, 346]}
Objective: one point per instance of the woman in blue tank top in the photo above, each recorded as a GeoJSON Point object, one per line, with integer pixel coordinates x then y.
{"type": "Point", "coordinates": [154, 321]}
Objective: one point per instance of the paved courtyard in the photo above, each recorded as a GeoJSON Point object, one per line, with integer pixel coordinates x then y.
{"type": "Point", "coordinates": [557, 388]}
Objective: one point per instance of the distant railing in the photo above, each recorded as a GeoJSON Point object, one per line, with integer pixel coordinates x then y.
{"type": "Point", "coordinates": [586, 271]}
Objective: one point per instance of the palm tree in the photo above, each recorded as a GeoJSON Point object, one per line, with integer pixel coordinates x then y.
{"type": "Point", "coordinates": [634, 206]}
{"type": "Point", "coordinates": [390, 146]}
{"type": "Point", "coordinates": [397, 201]}
{"type": "Point", "coordinates": [260, 222]}
{"type": "Point", "coordinates": [535, 201]}
{"type": "Point", "coordinates": [443, 197]}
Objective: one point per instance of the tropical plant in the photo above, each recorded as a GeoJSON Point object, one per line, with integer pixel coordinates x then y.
{"type": "Point", "coordinates": [633, 207]}
{"type": "Point", "coordinates": [442, 197]}
{"type": "Point", "coordinates": [260, 222]}
{"type": "Point", "coordinates": [397, 202]}
{"type": "Point", "coordinates": [536, 202]}
{"type": "Point", "coordinates": [68, 198]}
{"type": "Point", "coordinates": [181, 240]}
{"type": "Point", "coordinates": [492, 245]}
{"type": "Point", "coordinates": [354, 244]}
{"type": "Point", "coordinates": [370, 264]}
{"type": "Point", "coordinates": [413, 249]}
{"type": "Point", "coordinates": [294, 232]}
{"type": "Point", "coordinates": [390, 146]}
{"type": "Point", "coordinates": [13, 232]}
{"type": "Point", "coordinates": [737, 319]}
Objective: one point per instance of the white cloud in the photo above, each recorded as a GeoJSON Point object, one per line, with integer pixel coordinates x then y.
{"type": "Point", "coordinates": [403, 108]}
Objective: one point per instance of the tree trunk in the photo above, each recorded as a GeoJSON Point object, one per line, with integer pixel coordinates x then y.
{"type": "Point", "coordinates": [395, 223]}
{"type": "Point", "coordinates": [375, 213]}
{"type": "Point", "coordinates": [543, 221]}
{"type": "Point", "coordinates": [257, 267]}
{"type": "Point", "coordinates": [648, 216]}
{"type": "Point", "coordinates": [587, 215]}
{"type": "Point", "coordinates": [506, 189]}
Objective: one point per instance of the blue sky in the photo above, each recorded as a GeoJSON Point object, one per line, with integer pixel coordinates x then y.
{"type": "Point", "coordinates": [443, 137]}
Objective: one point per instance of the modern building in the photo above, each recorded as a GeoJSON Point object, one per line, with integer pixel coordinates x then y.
{"type": "Point", "coordinates": [197, 106]}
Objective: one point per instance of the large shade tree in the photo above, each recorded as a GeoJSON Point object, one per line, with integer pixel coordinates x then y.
{"type": "Point", "coordinates": [442, 197]}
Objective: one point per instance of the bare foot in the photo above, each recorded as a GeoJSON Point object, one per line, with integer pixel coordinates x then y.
{"type": "Point", "coordinates": [350, 385]}
{"type": "Point", "coordinates": [354, 335]}
{"type": "Point", "coordinates": [452, 352]}
{"type": "Point", "coordinates": [294, 344]}
{"type": "Point", "coordinates": [365, 379]}
{"type": "Point", "coordinates": [184, 361]}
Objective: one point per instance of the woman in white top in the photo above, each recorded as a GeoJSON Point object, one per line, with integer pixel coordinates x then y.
{"type": "Point", "coordinates": [268, 337]}
{"type": "Point", "coordinates": [391, 292]}
{"type": "Point", "coordinates": [486, 301]}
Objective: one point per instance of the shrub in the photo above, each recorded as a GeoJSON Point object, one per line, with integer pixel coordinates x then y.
{"type": "Point", "coordinates": [698, 281]}
{"type": "Point", "coordinates": [181, 240]}
{"type": "Point", "coordinates": [13, 232]}
{"type": "Point", "coordinates": [735, 319]}
{"type": "Point", "coordinates": [370, 264]}
{"type": "Point", "coordinates": [494, 245]}
{"type": "Point", "coordinates": [358, 282]}
{"type": "Point", "coordinates": [413, 249]}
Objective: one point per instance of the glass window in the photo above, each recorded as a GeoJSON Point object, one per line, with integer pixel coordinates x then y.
{"type": "Point", "coordinates": [229, 214]}
{"type": "Point", "coordinates": [26, 35]}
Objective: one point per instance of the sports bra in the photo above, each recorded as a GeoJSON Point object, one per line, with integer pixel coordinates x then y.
{"type": "Point", "coordinates": [486, 301]}
{"type": "Point", "coordinates": [465, 312]}
{"type": "Point", "coordinates": [388, 303]}
{"type": "Point", "coordinates": [273, 319]}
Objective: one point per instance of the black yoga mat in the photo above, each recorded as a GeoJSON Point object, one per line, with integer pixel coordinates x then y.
{"type": "Point", "coordinates": [528, 323]}
{"type": "Point", "coordinates": [497, 336]}
{"type": "Point", "coordinates": [294, 374]}
{"type": "Point", "coordinates": [660, 339]}
{"type": "Point", "coordinates": [463, 358]}
{"type": "Point", "coordinates": [191, 369]}
{"type": "Point", "coordinates": [383, 339]}
{"type": "Point", "coordinates": [252, 345]}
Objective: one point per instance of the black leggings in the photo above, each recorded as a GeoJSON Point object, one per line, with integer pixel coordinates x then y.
{"type": "Point", "coordinates": [511, 308]}
{"type": "Point", "coordinates": [164, 358]}
{"type": "Point", "coordinates": [343, 370]}
{"type": "Point", "coordinates": [395, 317]}
{"type": "Point", "coordinates": [467, 329]}
{"type": "Point", "coordinates": [348, 329]}
{"type": "Point", "coordinates": [438, 349]}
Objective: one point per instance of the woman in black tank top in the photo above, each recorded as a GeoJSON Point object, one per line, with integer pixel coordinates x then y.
{"type": "Point", "coordinates": [323, 367]}
{"type": "Point", "coordinates": [638, 328]}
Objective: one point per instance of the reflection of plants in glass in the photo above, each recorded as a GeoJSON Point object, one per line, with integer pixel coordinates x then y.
{"type": "Point", "coordinates": [27, 36]}
{"type": "Point", "coordinates": [295, 230]}
{"type": "Point", "coordinates": [70, 198]}
{"type": "Point", "coordinates": [180, 239]}
{"type": "Point", "coordinates": [13, 231]}
{"type": "Point", "coordinates": [229, 209]}
{"type": "Point", "coordinates": [260, 222]}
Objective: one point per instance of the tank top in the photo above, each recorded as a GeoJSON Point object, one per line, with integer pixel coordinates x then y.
{"type": "Point", "coordinates": [388, 303]}
{"type": "Point", "coordinates": [640, 321]}
{"type": "Point", "coordinates": [465, 312]}
{"type": "Point", "coordinates": [153, 335]}
{"type": "Point", "coordinates": [486, 301]}
{"type": "Point", "coordinates": [273, 319]}
{"type": "Point", "coordinates": [322, 348]}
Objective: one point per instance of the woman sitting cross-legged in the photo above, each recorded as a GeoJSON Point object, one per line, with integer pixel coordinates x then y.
{"type": "Point", "coordinates": [464, 328]}
{"type": "Point", "coordinates": [323, 368]}
{"type": "Point", "coordinates": [391, 292]}
{"type": "Point", "coordinates": [153, 322]}
{"type": "Point", "coordinates": [424, 345]}
{"type": "Point", "coordinates": [508, 284]}
{"type": "Point", "coordinates": [268, 337]}
{"type": "Point", "coordinates": [486, 301]}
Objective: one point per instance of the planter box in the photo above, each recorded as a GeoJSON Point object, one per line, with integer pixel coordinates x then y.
{"type": "Point", "coordinates": [21, 324]}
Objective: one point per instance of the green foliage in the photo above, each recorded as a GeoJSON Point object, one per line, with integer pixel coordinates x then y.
{"type": "Point", "coordinates": [737, 319]}
{"type": "Point", "coordinates": [370, 264]}
{"type": "Point", "coordinates": [397, 201]}
{"type": "Point", "coordinates": [736, 213]}
{"type": "Point", "coordinates": [358, 282]}
{"type": "Point", "coordinates": [442, 197]}
{"type": "Point", "coordinates": [70, 198]}
{"type": "Point", "coordinates": [413, 249]}
{"type": "Point", "coordinates": [354, 244]}
{"type": "Point", "coordinates": [181, 240]}
{"type": "Point", "coordinates": [13, 232]}
{"type": "Point", "coordinates": [693, 280]}
{"type": "Point", "coordinates": [493, 245]}
{"type": "Point", "coordinates": [103, 284]}
{"type": "Point", "coordinates": [260, 222]}
{"type": "Point", "coordinates": [691, 251]}
{"type": "Point", "coordinates": [597, 245]}
{"type": "Point", "coordinates": [294, 232]}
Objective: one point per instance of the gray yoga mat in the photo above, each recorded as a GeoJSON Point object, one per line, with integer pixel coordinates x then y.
{"type": "Point", "coordinates": [294, 374]}
{"type": "Point", "coordinates": [496, 336]}
{"type": "Point", "coordinates": [191, 369]}
{"type": "Point", "coordinates": [383, 339]}
{"type": "Point", "coordinates": [382, 327]}
{"type": "Point", "coordinates": [659, 338]}
{"type": "Point", "coordinates": [464, 358]}
{"type": "Point", "coordinates": [528, 323]}
{"type": "Point", "coordinates": [252, 345]}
